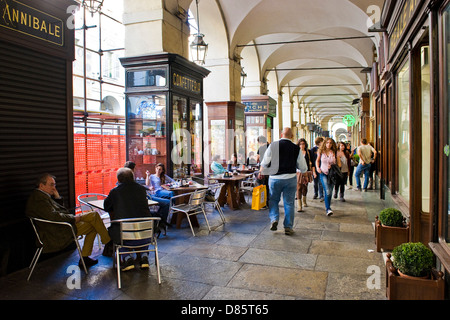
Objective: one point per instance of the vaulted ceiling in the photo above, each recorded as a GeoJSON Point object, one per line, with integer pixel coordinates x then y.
{"type": "Point", "coordinates": [311, 50]}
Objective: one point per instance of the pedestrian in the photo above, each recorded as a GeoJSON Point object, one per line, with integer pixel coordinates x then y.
{"type": "Point", "coordinates": [325, 158]}
{"type": "Point", "coordinates": [365, 159]}
{"type": "Point", "coordinates": [318, 189]}
{"type": "Point", "coordinates": [303, 179]}
{"type": "Point", "coordinates": [351, 166]}
{"type": "Point", "coordinates": [280, 162]}
{"type": "Point", "coordinates": [373, 168]}
{"type": "Point", "coordinates": [344, 156]}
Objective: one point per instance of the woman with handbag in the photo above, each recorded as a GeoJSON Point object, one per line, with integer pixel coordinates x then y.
{"type": "Point", "coordinates": [325, 158]}
{"type": "Point", "coordinates": [344, 156]}
{"type": "Point", "coordinates": [303, 178]}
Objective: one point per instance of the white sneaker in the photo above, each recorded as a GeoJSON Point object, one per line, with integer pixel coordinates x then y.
{"type": "Point", "coordinates": [329, 212]}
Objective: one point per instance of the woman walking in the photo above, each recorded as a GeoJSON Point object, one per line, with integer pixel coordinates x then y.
{"type": "Point", "coordinates": [344, 156]}
{"type": "Point", "coordinates": [325, 158]}
{"type": "Point", "coordinates": [303, 178]}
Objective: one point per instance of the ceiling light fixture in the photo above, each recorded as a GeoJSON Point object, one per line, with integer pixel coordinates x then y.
{"type": "Point", "coordinates": [198, 46]}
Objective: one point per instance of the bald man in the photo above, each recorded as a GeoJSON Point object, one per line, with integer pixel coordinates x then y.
{"type": "Point", "coordinates": [281, 161]}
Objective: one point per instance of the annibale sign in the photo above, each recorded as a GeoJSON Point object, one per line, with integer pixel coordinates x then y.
{"type": "Point", "coordinates": [22, 18]}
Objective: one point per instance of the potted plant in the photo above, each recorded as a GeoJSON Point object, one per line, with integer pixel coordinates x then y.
{"type": "Point", "coordinates": [390, 229]}
{"type": "Point", "coordinates": [411, 276]}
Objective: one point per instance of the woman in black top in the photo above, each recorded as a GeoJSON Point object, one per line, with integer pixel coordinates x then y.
{"type": "Point", "coordinates": [304, 178]}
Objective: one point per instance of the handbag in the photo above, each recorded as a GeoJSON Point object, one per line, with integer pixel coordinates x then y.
{"type": "Point", "coordinates": [259, 197]}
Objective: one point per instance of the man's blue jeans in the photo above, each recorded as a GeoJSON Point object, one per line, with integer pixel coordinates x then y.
{"type": "Point", "coordinates": [287, 187]}
{"type": "Point", "coordinates": [362, 168]}
{"type": "Point", "coordinates": [327, 190]}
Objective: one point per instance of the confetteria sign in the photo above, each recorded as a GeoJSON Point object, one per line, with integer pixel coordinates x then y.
{"type": "Point", "coordinates": [22, 18]}
{"type": "Point", "coordinates": [186, 83]}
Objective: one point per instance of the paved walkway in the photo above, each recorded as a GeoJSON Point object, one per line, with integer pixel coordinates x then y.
{"type": "Point", "coordinates": [328, 258]}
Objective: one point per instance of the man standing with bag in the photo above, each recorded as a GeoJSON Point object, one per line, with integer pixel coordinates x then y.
{"type": "Point", "coordinates": [365, 159]}
{"type": "Point", "coordinates": [281, 161]}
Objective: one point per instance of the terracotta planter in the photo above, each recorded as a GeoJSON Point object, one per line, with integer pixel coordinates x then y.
{"type": "Point", "coordinates": [413, 288]}
{"type": "Point", "coordinates": [388, 238]}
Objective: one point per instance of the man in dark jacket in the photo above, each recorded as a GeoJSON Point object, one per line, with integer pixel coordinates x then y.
{"type": "Point", "coordinates": [284, 158]}
{"type": "Point", "coordinates": [45, 203]}
{"type": "Point", "coordinates": [127, 200]}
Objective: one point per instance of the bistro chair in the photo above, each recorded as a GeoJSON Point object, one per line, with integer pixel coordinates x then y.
{"type": "Point", "coordinates": [193, 207]}
{"type": "Point", "coordinates": [41, 244]}
{"type": "Point", "coordinates": [84, 199]}
{"type": "Point", "coordinates": [136, 229]}
{"type": "Point", "coordinates": [247, 186]}
{"type": "Point", "coordinates": [215, 190]}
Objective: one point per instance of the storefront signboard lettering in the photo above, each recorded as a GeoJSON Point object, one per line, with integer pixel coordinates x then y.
{"type": "Point", "coordinates": [256, 106]}
{"type": "Point", "coordinates": [186, 83]}
{"type": "Point", "coordinates": [22, 18]}
{"type": "Point", "coordinates": [408, 10]}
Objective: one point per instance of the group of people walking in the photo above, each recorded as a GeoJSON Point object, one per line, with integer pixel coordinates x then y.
{"type": "Point", "coordinates": [291, 167]}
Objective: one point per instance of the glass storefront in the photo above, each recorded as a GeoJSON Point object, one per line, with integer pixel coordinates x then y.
{"type": "Point", "coordinates": [187, 136]}
{"type": "Point", "coordinates": [217, 137]}
{"type": "Point", "coordinates": [164, 114]}
{"type": "Point", "coordinates": [403, 131]}
{"type": "Point", "coordinates": [147, 132]}
{"type": "Point", "coordinates": [446, 59]}
{"type": "Point", "coordinates": [426, 127]}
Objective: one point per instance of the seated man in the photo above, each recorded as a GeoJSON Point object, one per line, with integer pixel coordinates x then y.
{"type": "Point", "coordinates": [127, 200]}
{"type": "Point", "coordinates": [45, 203]}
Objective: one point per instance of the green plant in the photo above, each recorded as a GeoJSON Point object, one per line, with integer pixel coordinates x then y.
{"type": "Point", "coordinates": [391, 217]}
{"type": "Point", "coordinates": [413, 259]}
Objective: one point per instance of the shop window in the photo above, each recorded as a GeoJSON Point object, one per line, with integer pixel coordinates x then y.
{"type": "Point", "coordinates": [446, 47]}
{"type": "Point", "coordinates": [426, 127]}
{"type": "Point", "coordinates": [403, 132]}
{"type": "Point", "coordinates": [147, 78]}
{"type": "Point", "coordinates": [147, 132]}
{"type": "Point", "coordinates": [196, 138]}
{"type": "Point", "coordinates": [217, 137]}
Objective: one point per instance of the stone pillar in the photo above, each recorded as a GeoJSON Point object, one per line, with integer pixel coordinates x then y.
{"type": "Point", "coordinates": [150, 28]}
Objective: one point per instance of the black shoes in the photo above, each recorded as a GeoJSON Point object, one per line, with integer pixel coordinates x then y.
{"type": "Point", "coordinates": [274, 226]}
{"type": "Point", "coordinates": [127, 265]}
{"type": "Point", "coordinates": [88, 262]}
{"type": "Point", "coordinates": [108, 249]}
{"type": "Point", "coordinates": [144, 263]}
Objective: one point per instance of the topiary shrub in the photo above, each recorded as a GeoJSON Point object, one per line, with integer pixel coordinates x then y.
{"type": "Point", "coordinates": [413, 259]}
{"type": "Point", "coordinates": [391, 217]}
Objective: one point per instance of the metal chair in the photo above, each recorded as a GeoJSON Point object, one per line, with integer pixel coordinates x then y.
{"type": "Point", "coordinates": [247, 186]}
{"type": "Point", "coordinates": [216, 189]}
{"type": "Point", "coordinates": [84, 199]}
{"type": "Point", "coordinates": [193, 207]}
{"type": "Point", "coordinates": [41, 244]}
{"type": "Point", "coordinates": [136, 229]}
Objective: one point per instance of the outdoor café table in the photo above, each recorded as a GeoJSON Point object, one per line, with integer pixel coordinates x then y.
{"type": "Point", "coordinates": [230, 194]}
{"type": "Point", "coordinates": [99, 203]}
{"type": "Point", "coordinates": [246, 171]}
{"type": "Point", "coordinates": [177, 217]}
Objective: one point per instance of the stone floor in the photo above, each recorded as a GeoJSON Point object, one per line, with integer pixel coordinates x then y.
{"type": "Point", "coordinates": [327, 258]}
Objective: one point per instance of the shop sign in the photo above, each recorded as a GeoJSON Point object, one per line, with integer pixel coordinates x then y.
{"type": "Point", "coordinates": [22, 18]}
{"type": "Point", "coordinates": [186, 83]}
{"type": "Point", "coordinates": [256, 106]}
{"type": "Point", "coordinates": [408, 10]}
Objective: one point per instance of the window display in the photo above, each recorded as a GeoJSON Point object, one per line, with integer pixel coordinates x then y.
{"type": "Point", "coordinates": [187, 135]}
{"type": "Point", "coordinates": [403, 132]}
{"type": "Point", "coordinates": [147, 132]}
{"type": "Point", "coordinates": [446, 59]}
